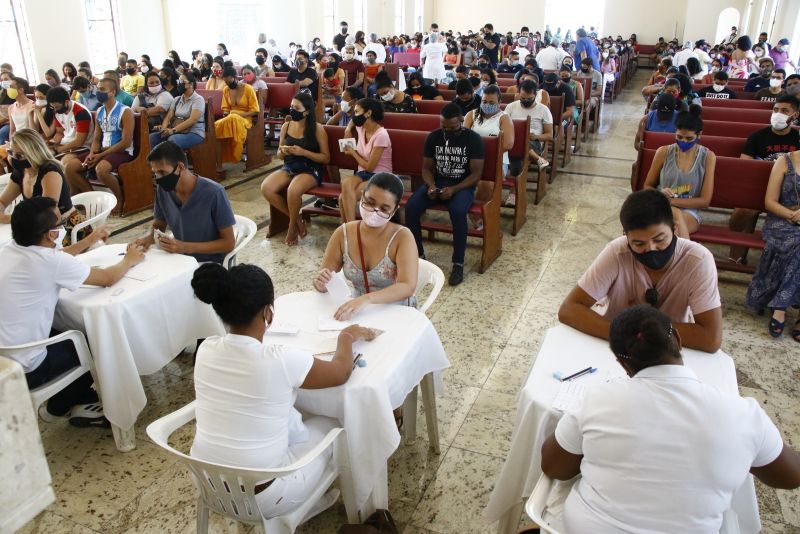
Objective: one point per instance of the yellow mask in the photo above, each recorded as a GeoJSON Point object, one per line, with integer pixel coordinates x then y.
{"type": "Point", "coordinates": [12, 93]}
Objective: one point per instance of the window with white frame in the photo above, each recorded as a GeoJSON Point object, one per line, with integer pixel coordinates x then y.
{"type": "Point", "coordinates": [419, 14]}
{"type": "Point", "coordinates": [103, 34]}
{"type": "Point", "coordinates": [14, 40]}
{"type": "Point", "coordinates": [399, 16]}
{"type": "Point", "coordinates": [329, 24]}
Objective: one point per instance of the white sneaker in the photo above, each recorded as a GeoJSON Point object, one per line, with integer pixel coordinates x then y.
{"type": "Point", "coordinates": [86, 415]}
{"type": "Point", "coordinates": [47, 417]}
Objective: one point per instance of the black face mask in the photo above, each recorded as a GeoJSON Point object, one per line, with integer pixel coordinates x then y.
{"type": "Point", "coordinates": [483, 65]}
{"type": "Point", "coordinates": [344, 30]}
{"type": "Point", "coordinates": [181, 87]}
{"type": "Point", "coordinates": [296, 115]}
{"type": "Point", "coordinates": [656, 259]}
{"type": "Point", "coordinates": [232, 85]}
{"type": "Point", "coordinates": [527, 102]}
{"type": "Point", "coordinates": [130, 71]}
{"type": "Point", "coordinates": [584, 69]}
{"type": "Point", "coordinates": [169, 181]}
{"type": "Point", "coordinates": [359, 120]}
{"type": "Point", "coordinates": [566, 79]}
{"type": "Point", "coordinates": [20, 164]}
{"type": "Point", "coordinates": [261, 60]}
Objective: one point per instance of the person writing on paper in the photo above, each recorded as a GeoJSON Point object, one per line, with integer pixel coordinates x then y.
{"type": "Point", "coordinates": [245, 389]}
{"type": "Point", "coordinates": [377, 255]}
{"type": "Point", "coordinates": [33, 271]}
{"type": "Point", "coordinates": [196, 209]}
{"type": "Point", "coordinates": [649, 457]}
{"type": "Point", "coordinates": [650, 264]}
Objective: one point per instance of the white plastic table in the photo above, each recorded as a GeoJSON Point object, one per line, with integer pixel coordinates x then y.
{"type": "Point", "coordinates": [135, 327]}
{"type": "Point", "coordinates": [5, 234]}
{"type": "Point", "coordinates": [565, 349]}
{"type": "Point", "coordinates": [408, 352]}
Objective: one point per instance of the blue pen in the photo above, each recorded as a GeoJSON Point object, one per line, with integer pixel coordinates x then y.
{"type": "Point", "coordinates": [587, 371]}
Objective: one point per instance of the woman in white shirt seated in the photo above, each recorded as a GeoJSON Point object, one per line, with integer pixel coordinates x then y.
{"type": "Point", "coordinates": [245, 389]}
{"type": "Point", "coordinates": [661, 452]}
{"type": "Point", "coordinates": [377, 255]}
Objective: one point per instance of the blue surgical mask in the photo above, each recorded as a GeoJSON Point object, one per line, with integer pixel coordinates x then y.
{"type": "Point", "coordinates": [490, 109]}
{"type": "Point", "coordinates": [686, 145]}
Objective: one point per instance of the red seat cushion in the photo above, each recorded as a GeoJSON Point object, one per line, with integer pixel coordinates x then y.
{"type": "Point", "coordinates": [326, 190]}
{"type": "Point", "coordinates": [720, 235]}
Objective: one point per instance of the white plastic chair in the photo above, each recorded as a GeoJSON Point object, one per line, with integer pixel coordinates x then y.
{"type": "Point", "coordinates": [429, 274]}
{"type": "Point", "coordinates": [230, 491]}
{"type": "Point", "coordinates": [537, 504]}
{"type": "Point", "coordinates": [98, 206]}
{"type": "Point", "coordinates": [40, 394]}
{"type": "Point", "coordinates": [243, 231]}
{"type": "Point", "coordinates": [10, 207]}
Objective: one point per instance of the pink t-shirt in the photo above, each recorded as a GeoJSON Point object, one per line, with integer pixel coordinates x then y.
{"type": "Point", "coordinates": [688, 288]}
{"type": "Point", "coordinates": [379, 138]}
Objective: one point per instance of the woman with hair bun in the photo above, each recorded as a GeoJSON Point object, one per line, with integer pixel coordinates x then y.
{"type": "Point", "coordinates": [660, 452]}
{"type": "Point", "coordinates": [245, 389]}
{"type": "Point", "coordinates": [684, 172]}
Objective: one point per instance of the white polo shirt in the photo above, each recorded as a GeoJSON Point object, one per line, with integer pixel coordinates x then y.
{"type": "Point", "coordinates": [662, 453]}
{"type": "Point", "coordinates": [30, 280]}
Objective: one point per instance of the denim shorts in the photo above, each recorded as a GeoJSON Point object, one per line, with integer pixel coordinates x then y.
{"type": "Point", "coordinates": [293, 168]}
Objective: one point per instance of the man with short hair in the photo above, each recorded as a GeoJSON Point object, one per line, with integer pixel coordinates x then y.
{"type": "Point", "coordinates": [491, 45]}
{"type": "Point", "coordinates": [649, 264]}
{"type": "Point", "coordinates": [719, 89]}
{"type": "Point", "coordinates": [775, 89]}
{"type": "Point", "coordinates": [763, 40]}
{"type": "Point", "coordinates": [122, 96]}
{"type": "Point", "coordinates": [352, 67]}
{"type": "Point", "coordinates": [451, 168]}
{"type": "Point", "coordinates": [87, 93]}
{"type": "Point", "coordinates": [551, 57]}
{"type": "Point", "coordinates": [780, 55]}
{"type": "Point", "coordinates": [511, 63]}
{"type": "Point", "coordinates": [465, 98]}
{"type": "Point", "coordinates": [525, 33]}
{"type": "Point", "coordinates": [555, 87]}
{"type": "Point", "coordinates": [460, 74]}
{"type": "Point", "coordinates": [302, 75]}
{"type": "Point", "coordinates": [112, 144]}
{"type": "Point", "coordinates": [375, 46]}
{"type": "Point", "coordinates": [340, 39]}
{"type": "Point", "coordinates": [792, 86]}
{"type": "Point", "coordinates": [132, 82]}
{"type": "Point", "coordinates": [196, 209]}
{"type": "Point", "coordinates": [33, 271]}
{"type": "Point", "coordinates": [585, 47]}
{"type": "Point", "coordinates": [766, 66]}
{"type": "Point", "coordinates": [73, 123]}
{"type": "Point", "coordinates": [541, 125]}
{"type": "Point", "coordinates": [586, 71]}
{"type": "Point", "coordinates": [468, 54]}
{"type": "Point", "coordinates": [684, 54]}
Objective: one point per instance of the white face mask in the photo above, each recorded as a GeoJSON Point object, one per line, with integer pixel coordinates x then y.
{"type": "Point", "coordinates": [774, 82]}
{"type": "Point", "coordinates": [5, 84]}
{"type": "Point", "coordinates": [41, 102]}
{"type": "Point", "coordinates": [371, 218]}
{"type": "Point", "coordinates": [484, 84]}
{"type": "Point", "coordinates": [154, 89]}
{"type": "Point", "coordinates": [388, 96]}
{"type": "Point", "coordinates": [145, 69]}
{"type": "Point", "coordinates": [779, 121]}
{"type": "Point", "coordinates": [59, 240]}
{"type": "Point", "coordinates": [605, 55]}
{"type": "Point", "coordinates": [348, 56]}
{"type": "Point", "coordinates": [345, 106]}
{"type": "Point", "coordinates": [718, 87]}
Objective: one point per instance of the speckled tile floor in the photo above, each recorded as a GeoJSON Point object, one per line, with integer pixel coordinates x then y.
{"type": "Point", "coordinates": [491, 327]}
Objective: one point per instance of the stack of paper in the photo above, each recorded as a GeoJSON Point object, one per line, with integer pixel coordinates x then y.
{"type": "Point", "coordinates": [569, 397]}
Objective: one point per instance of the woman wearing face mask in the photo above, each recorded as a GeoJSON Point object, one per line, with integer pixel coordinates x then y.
{"type": "Point", "coordinates": [154, 102]}
{"type": "Point", "coordinates": [320, 60]}
{"type": "Point", "coordinates": [215, 81]}
{"type": "Point", "coordinates": [42, 116]}
{"type": "Point", "coordinates": [36, 173]}
{"type": "Point", "coordinates": [249, 77]}
{"type": "Point", "coordinates": [776, 283]}
{"type": "Point", "coordinates": [169, 81]}
{"type": "Point", "coordinates": [373, 153]}
{"type": "Point", "coordinates": [716, 66]}
{"type": "Point", "coordinates": [184, 123]}
{"type": "Point", "coordinates": [371, 67]}
{"type": "Point", "coordinates": [52, 79]}
{"type": "Point", "coordinates": [487, 78]}
{"type": "Point", "coordinates": [69, 71]}
{"type": "Point", "coordinates": [489, 121]}
{"type": "Point", "coordinates": [222, 52]}
{"type": "Point", "coordinates": [245, 390]}
{"type": "Point", "coordinates": [394, 100]}
{"type": "Point", "coordinates": [376, 254]}
{"type": "Point", "coordinates": [21, 110]}
{"type": "Point", "coordinates": [741, 59]}
{"type": "Point", "coordinates": [418, 89]}
{"type": "Point", "coordinates": [263, 66]}
{"type": "Point", "coordinates": [239, 108]}
{"type": "Point", "coordinates": [684, 172]}
{"type": "Point", "coordinates": [344, 115]}
{"type": "Point", "coordinates": [278, 65]}
{"type": "Point", "coordinates": [206, 63]}
{"type": "Point", "coordinates": [304, 150]}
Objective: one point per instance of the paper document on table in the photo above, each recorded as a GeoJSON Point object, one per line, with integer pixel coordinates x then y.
{"type": "Point", "coordinates": [337, 288]}
{"type": "Point", "coordinates": [278, 327]}
{"type": "Point", "coordinates": [142, 272]}
{"type": "Point", "coordinates": [569, 397]}
{"type": "Point", "coordinates": [328, 324]}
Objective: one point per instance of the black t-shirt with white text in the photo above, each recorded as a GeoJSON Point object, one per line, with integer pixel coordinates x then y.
{"type": "Point", "coordinates": [452, 156]}
{"type": "Point", "coordinates": [709, 92]}
{"type": "Point", "coordinates": [766, 144]}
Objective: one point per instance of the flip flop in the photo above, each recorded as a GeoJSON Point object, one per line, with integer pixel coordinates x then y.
{"type": "Point", "coordinates": [776, 327]}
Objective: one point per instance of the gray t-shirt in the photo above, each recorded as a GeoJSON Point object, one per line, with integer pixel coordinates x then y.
{"type": "Point", "coordinates": [207, 211]}
{"type": "Point", "coordinates": [469, 56]}
{"type": "Point", "coordinates": [183, 109]}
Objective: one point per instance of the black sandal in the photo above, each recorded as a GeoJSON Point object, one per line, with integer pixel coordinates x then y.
{"type": "Point", "coordinates": [796, 331]}
{"type": "Point", "coordinates": [776, 327]}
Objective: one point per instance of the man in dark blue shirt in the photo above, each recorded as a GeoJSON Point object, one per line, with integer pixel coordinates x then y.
{"type": "Point", "coordinates": [584, 48]}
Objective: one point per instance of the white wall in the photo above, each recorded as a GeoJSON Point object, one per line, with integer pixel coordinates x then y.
{"type": "Point", "coordinates": [47, 20]}
{"type": "Point", "coordinates": [648, 19]}
{"type": "Point", "coordinates": [142, 28]}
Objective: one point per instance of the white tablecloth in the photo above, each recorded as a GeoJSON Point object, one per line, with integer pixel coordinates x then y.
{"type": "Point", "coordinates": [566, 350]}
{"type": "Point", "coordinates": [136, 327]}
{"type": "Point", "coordinates": [5, 234]}
{"type": "Point", "coordinates": [397, 360]}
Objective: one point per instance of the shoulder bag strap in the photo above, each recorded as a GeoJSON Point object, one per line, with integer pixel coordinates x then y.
{"type": "Point", "coordinates": [361, 253]}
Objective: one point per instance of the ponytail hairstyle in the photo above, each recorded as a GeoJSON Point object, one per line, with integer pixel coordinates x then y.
{"type": "Point", "coordinates": [642, 336]}
{"type": "Point", "coordinates": [690, 120]}
{"type": "Point", "coordinates": [238, 295]}
{"type": "Point", "coordinates": [310, 126]}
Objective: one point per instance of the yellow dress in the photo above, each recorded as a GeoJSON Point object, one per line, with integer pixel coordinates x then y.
{"type": "Point", "coordinates": [215, 84]}
{"type": "Point", "coordinates": [232, 130]}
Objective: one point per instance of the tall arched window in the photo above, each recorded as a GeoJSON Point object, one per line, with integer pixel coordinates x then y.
{"type": "Point", "coordinates": [103, 34]}
{"type": "Point", "coordinates": [14, 40]}
{"type": "Point", "coordinates": [728, 18]}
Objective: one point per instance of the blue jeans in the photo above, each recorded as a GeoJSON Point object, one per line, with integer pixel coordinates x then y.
{"type": "Point", "coordinates": [458, 206]}
{"type": "Point", "coordinates": [4, 133]}
{"type": "Point", "coordinates": [183, 140]}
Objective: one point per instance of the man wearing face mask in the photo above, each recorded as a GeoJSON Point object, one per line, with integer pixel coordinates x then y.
{"type": "Point", "coordinates": [719, 89]}
{"type": "Point", "coordinates": [33, 271]}
{"type": "Point", "coordinates": [352, 67]}
{"type": "Point", "coordinates": [132, 82]}
{"type": "Point", "coordinates": [541, 124]}
{"type": "Point", "coordinates": [202, 228]}
{"type": "Point", "coordinates": [451, 167]}
{"type": "Point", "coordinates": [491, 45]}
{"type": "Point", "coordinates": [73, 123]}
{"type": "Point", "coordinates": [780, 55]}
{"type": "Point", "coordinates": [649, 264]}
{"type": "Point", "coordinates": [340, 39]}
{"type": "Point", "coordinates": [587, 71]}
{"type": "Point", "coordinates": [775, 89]}
{"type": "Point", "coordinates": [511, 64]}
{"type": "Point", "coordinates": [766, 66]}
{"type": "Point", "coordinates": [768, 144]}
{"type": "Point", "coordinates": [302, 75]}
{"type": "Point", "coordinates": [262, 68]}
{"type": "Point", "coordinates": [468, 53]}
{"type": "Point", "coordinates": [155, 102]}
